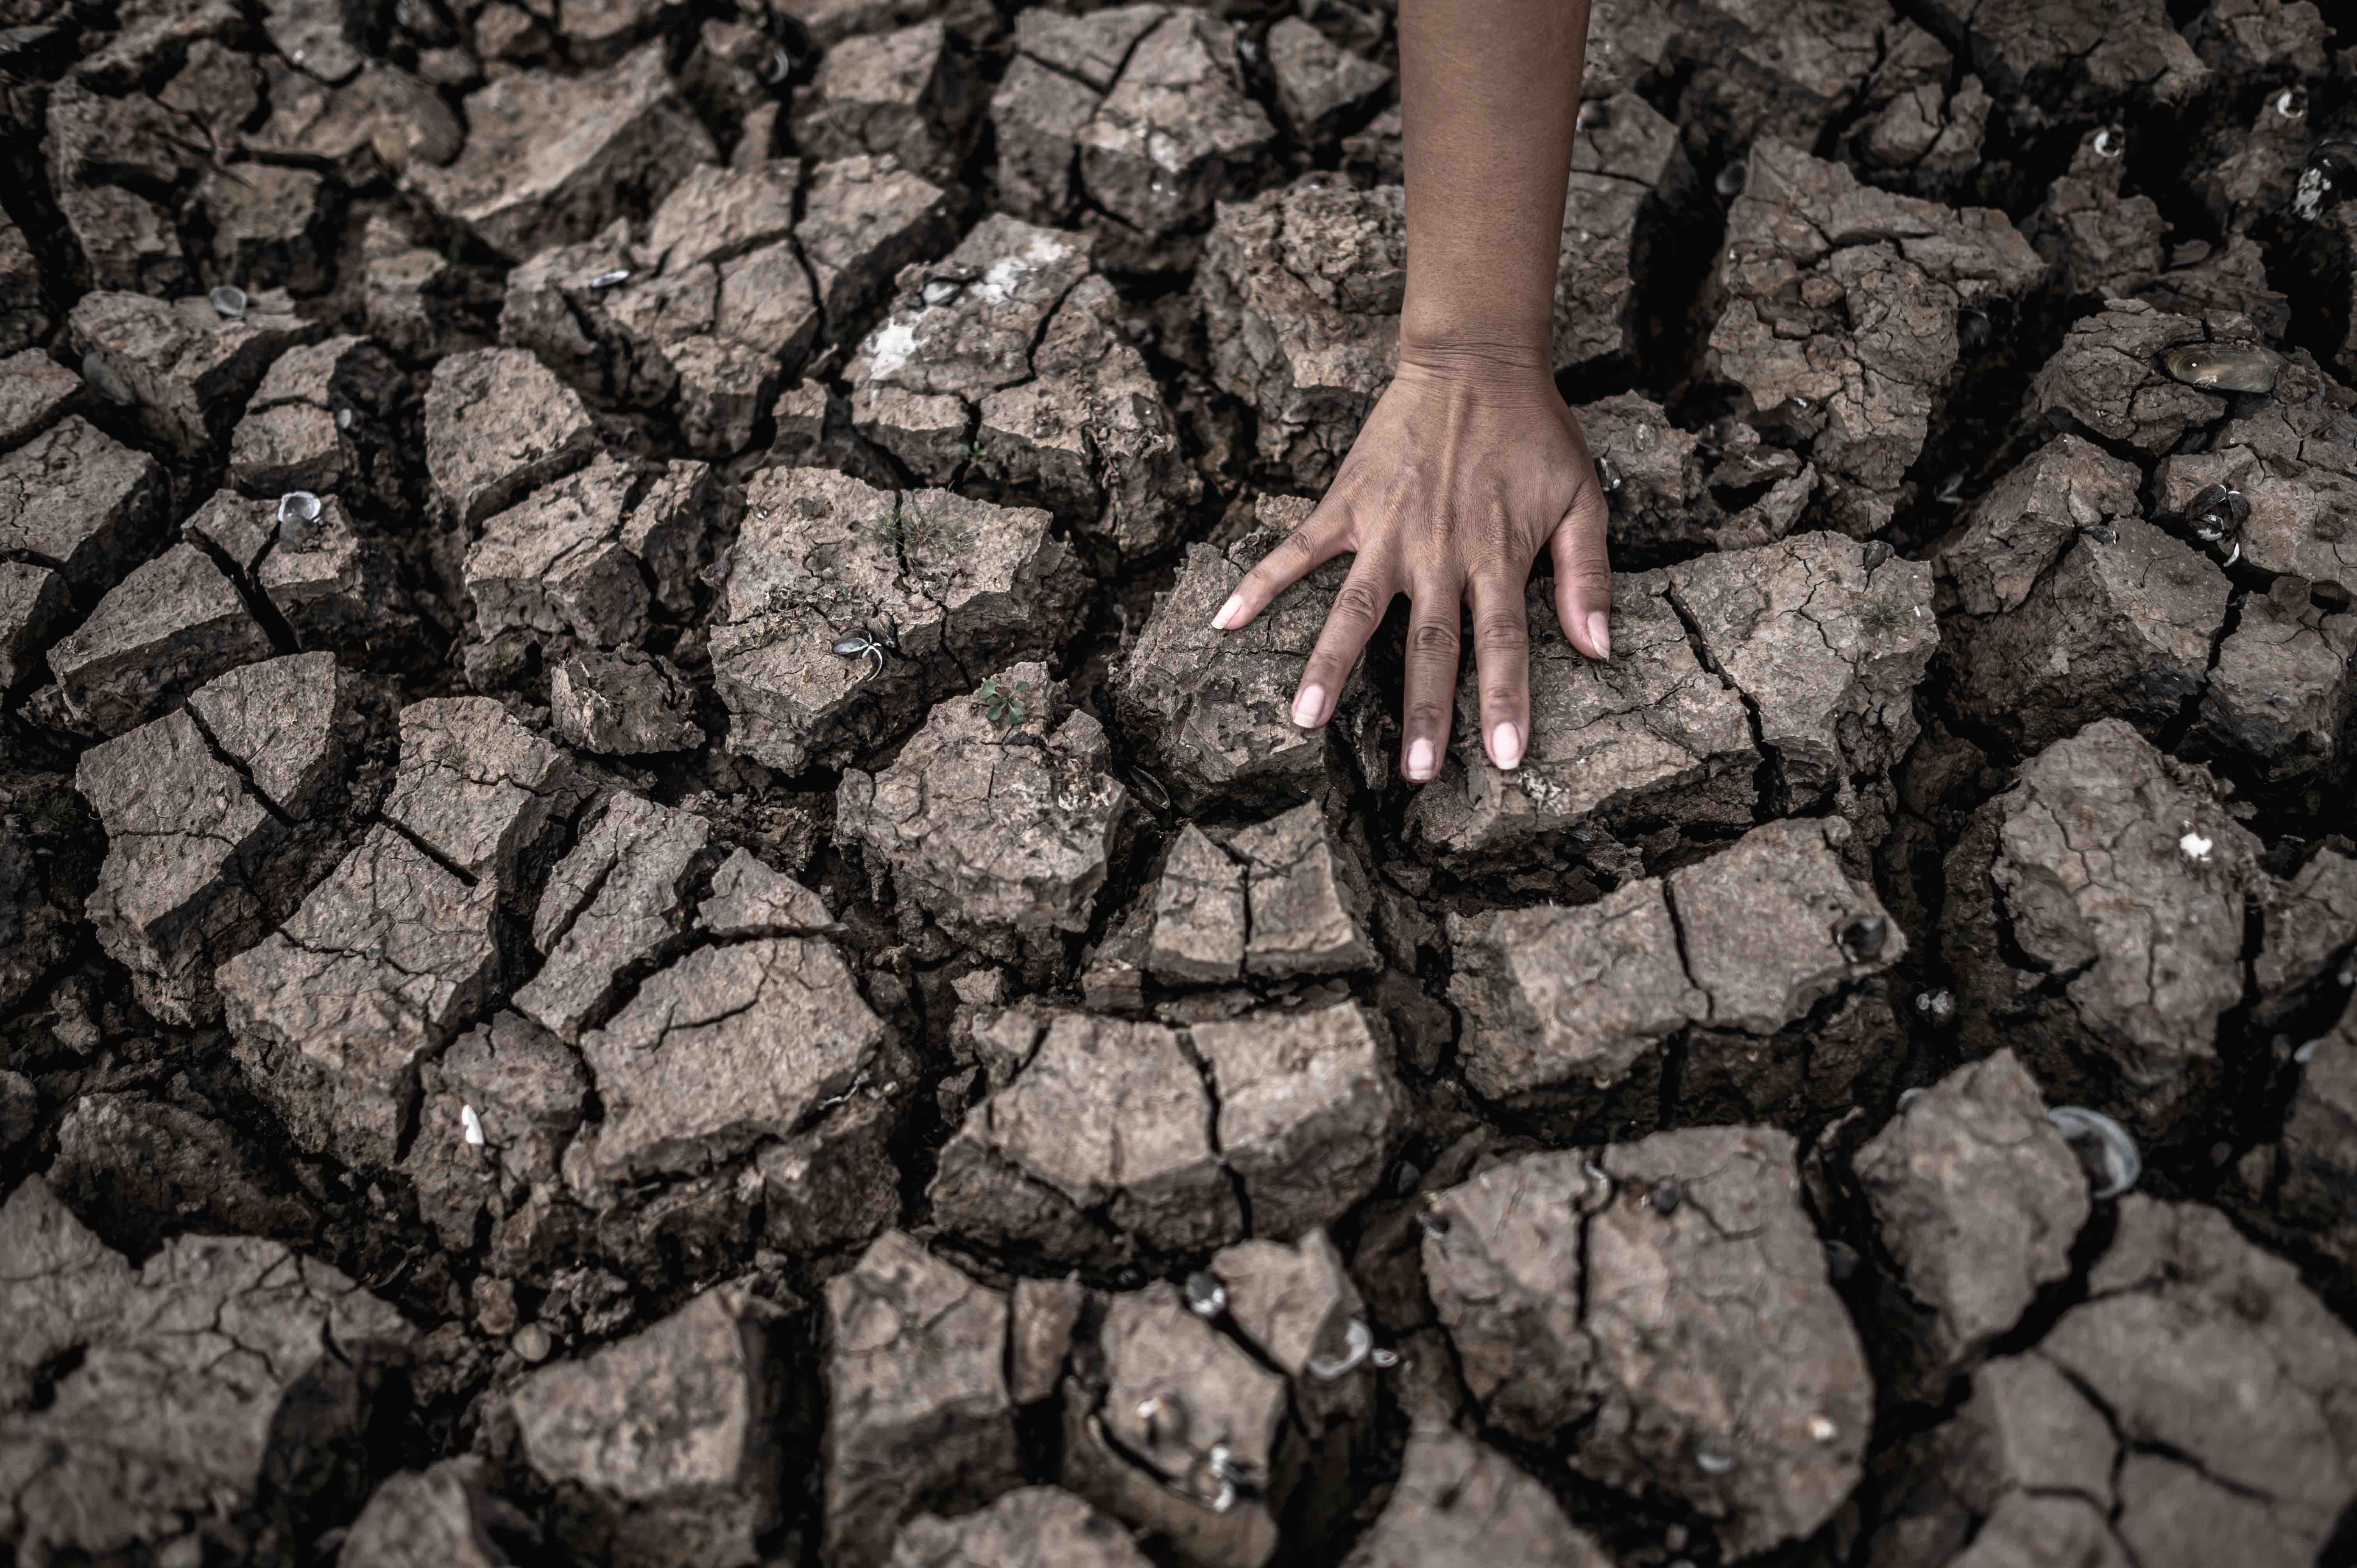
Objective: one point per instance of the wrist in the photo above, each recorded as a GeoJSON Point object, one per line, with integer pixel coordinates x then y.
{"type": "Point", "coordinates": [1499, 360]}
{"type": "Point", "coordinates": [1519, 342]}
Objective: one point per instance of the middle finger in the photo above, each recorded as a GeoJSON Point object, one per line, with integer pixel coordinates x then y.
{"type": "Point", "coordinates": [1429, 701]}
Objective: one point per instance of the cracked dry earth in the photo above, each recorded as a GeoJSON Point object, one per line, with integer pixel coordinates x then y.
{"type": "Point", "coordinates": [641, 924]}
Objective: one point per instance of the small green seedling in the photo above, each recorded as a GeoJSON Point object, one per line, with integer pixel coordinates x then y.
{"type": "Point", "coordinates": [1003, 707]}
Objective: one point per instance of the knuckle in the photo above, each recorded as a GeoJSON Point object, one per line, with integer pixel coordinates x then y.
{"type": "Point", "coordinates": [1434, 638]}
{"type": "Point", "coordinates": [1356, 602]}
{"type": "Point", "coordinates": [1594, 576]}
{"type": "Point", "coordinates": [1428, 716]}
{"type": "Point", "coordinates": [1502, 634]}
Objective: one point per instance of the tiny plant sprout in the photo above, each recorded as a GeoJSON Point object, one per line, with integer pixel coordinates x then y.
{"type": "Point", "coordinates": [228, 302]}
{"type": "Point", "coordinates": [2111, 142]}
{"type": "Point", "coordinates": [1206, 1297]}
{"type": "Point", "coordinates": [298, 506]}
{"type": "Point", "coordinates": [2103, 1148]}
{"type": "Point", "coordinates": [1357, 1344]}
{"type": "Point", "coordinates": [613, 277]}
{"type": "Point", "coordinates": [864, 645]}
{"type": "Point", "coordinates": [1732, 178]}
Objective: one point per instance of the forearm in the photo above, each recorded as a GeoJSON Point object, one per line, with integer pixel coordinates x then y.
{"type": "Point", "coordinates": [1489, 95]}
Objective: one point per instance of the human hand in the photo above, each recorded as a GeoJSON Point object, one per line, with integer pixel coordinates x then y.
{"type": "Point", "coordinates": [1465, 470]}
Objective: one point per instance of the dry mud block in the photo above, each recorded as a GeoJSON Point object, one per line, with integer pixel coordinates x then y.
{"type": "Point", "coordinates": [998, 819]}
{"type": "Point", "coordinates": [1210, 711]}
{"type": "Point", "coordinates": [200, 807]}
{"type": "Point", "coordinates": [186, 369]}
{"type": "Point", "coordinates": [941, 586]}
{"type": "Point", "coordinates": [1762, 957]}
{"type": "Point", "coordinates": [663, 1450]}
{"type": "Point", "coordinates": [593, 555]}
{"type": "Point", "coordinates": [1667, 1301]}
{"type": "Point", "coordinates": [78, 504]}
{"type": "Point", "coordinates": [1805, 652]}
{"type": "Point", "coordinates": [1115, 1138]}
{"type": "Point", "coordinates": [223, 1391]}
{"type": "Point", "coordinates": [397, 951]}
{"type": "Point", "coordinates": [320, 421]}
{"type": "Point", "coordinates": [1283, 898]}
{"type": "Point", "coordinates": [442, 1515]}
{"type": "Point", "coordinates": [2120, 873]}
{"type": "Point", "coordinates": [917, 1415]}
{"type": "Point", "coordinates": [1460, 1504]}
{"type": "Point", "coordinates": [1006, 360]}
{"type": "Point", "coordinates": [725, 291]}
{"type": "Point", "coordinates": [1842, 309]}
{"type": "Point", "coordinates": [550, 160]}
{"type": "Point", "coordinates": [170, 625]}
{"type": "Point", "coordinates": [1978, 1200]}
{"type": "Point", "coordinates": [2192, 1409]}
{"type": "Point", "coordinates": [498, 424]}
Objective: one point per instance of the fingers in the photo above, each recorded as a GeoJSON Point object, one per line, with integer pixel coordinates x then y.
{"type": "Point", "coordinates": [1358, 606]}
{"type": "Point", "coordinates": [1429, 702]}
{"type": "Point", "coordinates": [1583, 574]}
{"type": "Point", "coordinates": [1325, 535]}
{"type": "Point", "coordinates": [1502, 653]}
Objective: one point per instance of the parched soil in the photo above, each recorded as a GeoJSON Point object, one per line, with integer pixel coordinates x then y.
{"type": "Point", "coordinates": [642, 925]}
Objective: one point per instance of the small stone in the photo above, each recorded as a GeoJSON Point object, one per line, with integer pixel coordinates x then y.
{"type": "Point", "coordinates": [228, 302]}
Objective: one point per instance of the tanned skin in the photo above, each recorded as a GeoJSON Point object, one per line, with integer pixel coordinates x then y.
{"type": "Point", "coordinates": [1470, 464]}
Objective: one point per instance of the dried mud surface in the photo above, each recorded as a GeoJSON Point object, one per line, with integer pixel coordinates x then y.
{"type": "Point", "coordinates": [641, 924]}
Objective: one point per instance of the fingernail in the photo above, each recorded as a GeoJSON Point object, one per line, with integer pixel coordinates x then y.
{"type": "Point", "coordinates": [1228, 612]}
{"type": "Point", "coordinates": [1309, 708]}
{"type": "Point", "coordinates": [1506, 747]}
{"type": "Point", "coordinates": [1599, 633]}
{"type": "Point", "coordinates": [1419, 760]}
